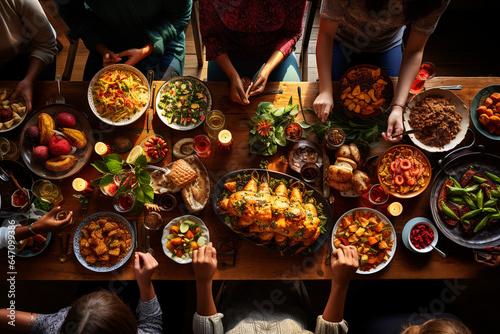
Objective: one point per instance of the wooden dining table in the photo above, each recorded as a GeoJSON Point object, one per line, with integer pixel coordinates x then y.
{"type": "Point", "coordinates": [251, 262]}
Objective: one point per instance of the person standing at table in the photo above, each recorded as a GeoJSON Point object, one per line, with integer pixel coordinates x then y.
{"type": "Point", "coordinates": [244, 36]}
{"type": "Point", "coordinates": [353, 32]}
{"type": "Point", "coordinates": [146, 34]}
{"type": "Point", "coordinates": [27, 46]}
{"type": "Point", "coordinates": [100, 312]}
{"type": "Point", "coordinates": [250, 316]}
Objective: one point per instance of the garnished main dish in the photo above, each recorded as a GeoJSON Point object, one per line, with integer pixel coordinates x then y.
{"type": "Point", "coordinates": [104, 242]}
{"type": "Point", "coordinates": [119, 94]}
{"type": "Point", "coordinates": [276, 212]}
{"type": "Point", "coordinates": [472, 201]}
{"type": "Point", "coordinates": [183, 102]}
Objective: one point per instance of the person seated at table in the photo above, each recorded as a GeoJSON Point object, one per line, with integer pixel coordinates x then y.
{"type": "Point", "coordinates": [46, 223]}
{"type": "Point", "coordinates": [367, 31]}
{"type": "Point", "coordinates": [241, 38]}
{"type": "Point", "coordinates": [27, 47]}
{"type": "Point", "coordinates": [252, 315]}
{"type": "Point", "coordinates": [146, 34]}
{"type": "Point", "coordinates": [100, 312]}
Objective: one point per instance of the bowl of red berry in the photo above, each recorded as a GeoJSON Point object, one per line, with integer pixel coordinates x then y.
{"type": "Point", "coordinates": [419, 235]}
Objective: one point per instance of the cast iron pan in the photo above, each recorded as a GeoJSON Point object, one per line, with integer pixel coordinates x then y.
{"type": "Point", "coordinates": [480, 162]}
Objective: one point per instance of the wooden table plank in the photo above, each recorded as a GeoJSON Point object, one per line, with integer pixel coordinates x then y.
{"type": "Point", "coordinates": [252, 262]}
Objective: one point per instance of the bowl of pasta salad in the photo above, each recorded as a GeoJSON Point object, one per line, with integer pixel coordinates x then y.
{"type": "Point", "coordinates": [119, 94]}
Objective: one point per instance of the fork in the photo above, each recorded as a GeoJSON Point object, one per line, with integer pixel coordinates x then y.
{"type": "Point", "coordinates": [60, 99]}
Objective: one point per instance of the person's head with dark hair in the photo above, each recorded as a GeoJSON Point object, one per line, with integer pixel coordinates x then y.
{"type": "Point", "coordinates": [438, 326]}
{"type": "Point", "coordinates": [100, 312]}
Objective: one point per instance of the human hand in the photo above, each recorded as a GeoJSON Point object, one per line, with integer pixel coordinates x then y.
{"type": "Point", "coordinates": [25, 90]}
{"type": "Point", "coordinates": [394, 125]}
{"type": "Point", "coordinates": [144, 267]}
{"type": "Point", "coordinates": [48, 223]}
{"type": "Point", "coordinates": [136, 55]}
{"type": "Point", "coordinates": [205, 262]}
{"type": "Point", "coordinates": [323, 105]}
{"type": "Point", "coordinates": [236, 92]}
{"type": "Point", "coordinates": [110, 58]}
{"type": "Point", "coordinates": [492, 260]}
{"type": "Point", "coordinates": [259, 84]}
{"type": "Point", "coordinates": [344, 264]}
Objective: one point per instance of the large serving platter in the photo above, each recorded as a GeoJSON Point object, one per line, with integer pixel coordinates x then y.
{"type": "Point", "coordinates": [477, 101]}
{"type": "Point", "coordinates": [327, 211]}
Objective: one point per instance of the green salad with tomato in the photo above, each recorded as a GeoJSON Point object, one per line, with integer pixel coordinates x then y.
{"type": "Point", "coordinates": [184, 102]}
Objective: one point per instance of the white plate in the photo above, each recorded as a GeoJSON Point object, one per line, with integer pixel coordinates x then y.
{"type": "Point", "coordinates": [461, 108]}
{"type": "Point", "coordinates": [386, 221]}
{"type": "Point", "coordinates": [175, 126]}
{"type": "Point", "coordinates": [22, 117]}
{"type": "Point", "coordinates": [166, 231]}
{"type": "Point", "coordinates": [121, 67]}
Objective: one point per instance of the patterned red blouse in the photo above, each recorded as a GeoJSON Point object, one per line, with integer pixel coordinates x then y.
{"type": "Point", "coordinates": [250, 29]}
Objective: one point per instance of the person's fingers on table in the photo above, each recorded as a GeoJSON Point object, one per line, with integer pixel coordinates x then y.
{"type": "Point", "coordinates": [201, 253]}
{"type": "Point", "coordinates": [195, 256]}
{"type": "Point", "coordinates": [137, 262]}
{"type": "Point", "coordinates": [340, 254]}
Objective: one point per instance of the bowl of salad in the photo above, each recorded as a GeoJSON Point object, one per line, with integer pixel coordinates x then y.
{"type": "Point", "coordinates": [182, 236]}
{"type": "Point", "coordinates": [182, 103]}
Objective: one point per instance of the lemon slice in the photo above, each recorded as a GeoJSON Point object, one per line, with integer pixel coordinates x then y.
{"type": "Point", "coordinates": [134, 154]}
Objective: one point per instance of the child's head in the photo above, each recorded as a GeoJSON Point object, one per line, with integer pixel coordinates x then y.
{"type": "Point", "coordinates": [99, 312]}
{"type": "Point", "coordinates": [438, 326]}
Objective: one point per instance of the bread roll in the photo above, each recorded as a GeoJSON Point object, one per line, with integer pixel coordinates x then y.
{"type": "Point", "coordinates": [344, 161]}
{"type": "Point", "coordinates": [340, 173]}
{"type": "Point", "coordinates": [355, 152]}
{"type": "Point", "coordinates": [343, 151]}
{"type": "Point", "coordinates": [360, 182]}
{"type": "Point", "coordinates": [340, 186]}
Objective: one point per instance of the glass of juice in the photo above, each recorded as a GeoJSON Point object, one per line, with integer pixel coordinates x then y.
{"type": "Point", "coordinates": [47, 190]}
{"type": "Point", "coordinates": [124, 201]}
{"type": "Point", "coordinates": [427, 71]}
{"type": "Point", "coordinates": [376, 195]}
{"type": "Point", "coordinates": [214, 123]}
{"type": "Point", "coordinates": [166, 202]}
{"type": "Point", "coordinates": [202, 146]}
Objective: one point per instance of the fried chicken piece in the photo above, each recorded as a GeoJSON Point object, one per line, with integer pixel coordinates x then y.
{"type": "Point", "coordinates": [108, 227]}
{"type": "Point", "coordinates": [115, 251]}
{"type": "Point", "coordinates": [101, 248]}
{"type": "Point", "coordinates": [91, 259]}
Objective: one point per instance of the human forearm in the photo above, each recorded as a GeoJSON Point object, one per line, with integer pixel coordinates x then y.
{"type": "Point", "coordinates": [35, 67]}
{"type": "Point", "coordinates": [324, 50]}
{"type": "Point", "coordinates": [334, 309]}
{"type": "Point", "coordinates": [147, 291]}
{"type": "Point", "coordinates": [410, 65]}
{"type": "Point", "coordinates": [22, 319]}
{"type": "Point", "coordinates": [274, 60]}
{"type": "Point", "coordinates": [225, 64]}
{"type": "Point", "coordinates": [205, 305]}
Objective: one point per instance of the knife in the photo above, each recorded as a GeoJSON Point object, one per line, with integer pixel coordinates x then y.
{"type": "Point", "coordinates": [136, 235]}
{"type": "Point", "coordinates": [151, 110]}
{"type": "Point", "coordinates": [143, 237]}
{"type": "Point", "coordinates": [150, 76]}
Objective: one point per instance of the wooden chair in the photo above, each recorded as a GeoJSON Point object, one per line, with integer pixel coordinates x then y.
{"type": "Point", "coordinates": [195, 23]}
{"type": "Point", "coordinates": [304, 55]}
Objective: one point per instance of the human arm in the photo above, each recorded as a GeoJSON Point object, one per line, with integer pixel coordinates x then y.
{"type": "Point", "coordinates": [25, 87]}
{"type": "Point", "coordinates": [21, 320]}
{"type": "Point", "coordinates": [323, 103]}
{"type": "Point", "coordinates": [344, 264]}
{"type": "Point", "coordinates": [492, 260]}
{"type": "Point", "coordinates": [261, 81]}
{"type": "Point", "coordinates": [236, 91]}
{"type": "Point", "coordinates": [148, 310]}
{"type": "Point", "coordinates": [136, 55]}
{"type": "Point", "coordinates": [410, 64]}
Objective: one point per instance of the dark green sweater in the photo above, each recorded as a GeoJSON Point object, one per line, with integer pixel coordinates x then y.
{"type": "Point", "coordinates": [126, 24]}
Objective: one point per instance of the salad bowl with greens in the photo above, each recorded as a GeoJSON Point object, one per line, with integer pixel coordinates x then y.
{"type": "Point", "coordinates": [182, 103]}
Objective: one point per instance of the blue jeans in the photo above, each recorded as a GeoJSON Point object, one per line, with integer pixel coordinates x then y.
{"type": "Point", "coordinates": [344, 58]}
{"type": "Point", "coordinates": [287, 70]}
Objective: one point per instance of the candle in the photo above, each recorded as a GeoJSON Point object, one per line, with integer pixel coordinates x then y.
{"type": "Point", "coordinates": [225, 140]}
{"type": "Point", "coordinates": [102, 148]}
{"type": "Point", "coordinates": [395, 208]}
{"type": "Point", "coordinates": [82, 185]}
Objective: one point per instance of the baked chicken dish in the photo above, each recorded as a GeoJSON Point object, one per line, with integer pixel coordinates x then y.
{"type": "Point", "coordinates": [279, 213]}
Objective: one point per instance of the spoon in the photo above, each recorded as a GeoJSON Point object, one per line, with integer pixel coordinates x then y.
{"type": "Point", "coordinates": [62, 256]}
{"type": "Point", "coordinates": [406, 132]}
{"type": "Point", "coordinates": [440, 252]}
{"type": "Point", "coordinates": [150, 250]}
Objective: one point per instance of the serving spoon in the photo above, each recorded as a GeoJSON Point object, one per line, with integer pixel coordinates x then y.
{"type": "Point", "coordinates": [440, 252]}
{"type": "Point", "coordinates": [406, 132]}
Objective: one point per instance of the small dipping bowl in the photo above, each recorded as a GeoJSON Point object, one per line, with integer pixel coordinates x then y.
{"type": "Point", "coordinates": [410, 226]}
{"type": "Point", "coordinates": [293, 132]}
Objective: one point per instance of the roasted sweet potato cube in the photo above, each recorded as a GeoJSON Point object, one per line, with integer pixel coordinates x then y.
{"type": "Point", "coordinates": [484, 119]}
{"type": "Point", "coordinates": [488, 102]}
{"type": "Point", "coordinates": [495, 97]}
{"type": "Point", "coordinates": [357, 109]}
{"type": "Point", "coordinates": [343, 96]}
{"type": "Point", "coordinates": [491, 128]}
{"type": "Point", "coordinates": [347, 90]}
{"type": "Point", "coordinates": [481, 110]}
{"type": "Point", "coordinates": [382, 82]}
{"type": "Point", "coordinates": [347, 102]}
{"type": "Point", "coordinates": [495, 120]}
{"type": "Point", "coordinates": [350, 96]}
{"type": "Point", "coordinates": [351, 106]}
{"type": "Point", "coordinates": [489, 112]}
{"type": "Point", "coordinates": [356, 91]}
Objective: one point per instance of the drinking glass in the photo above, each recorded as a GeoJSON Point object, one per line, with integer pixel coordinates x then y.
{"type": "Point", "coordinates": [214, 123]}
{"type": "Point", "coordinates": [47, 190]}
{"type": "Point", "coordinates": [202, 146]}
{"type": "Point", "coordinates": [427, 71]}
{"type": "Point", "coordinates": [124, 201]}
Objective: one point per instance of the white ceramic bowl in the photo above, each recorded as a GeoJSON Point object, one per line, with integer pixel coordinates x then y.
{"type": "Point", "coordinates": [409, 227]}
{"type": "Point", "coordinates": [166, 231]}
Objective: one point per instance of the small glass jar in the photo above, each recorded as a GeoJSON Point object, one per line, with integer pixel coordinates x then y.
{"type": "Point", "coordinates": [334, 138]}
{"type": "Point", "coordinates": [309, 172]}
